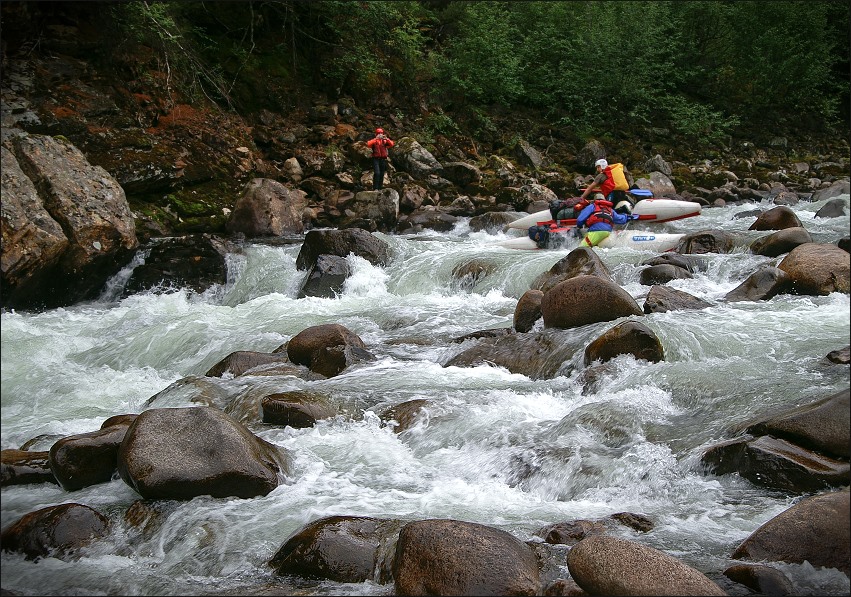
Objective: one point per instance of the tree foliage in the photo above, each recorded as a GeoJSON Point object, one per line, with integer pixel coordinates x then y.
{"type": "Point", "coordinates": [702, 68]}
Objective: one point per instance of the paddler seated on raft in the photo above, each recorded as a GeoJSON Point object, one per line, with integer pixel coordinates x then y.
{"type": "Point", "coordinates": [612, 184]}
{"type": "Point", "coordinates": [600, 219]}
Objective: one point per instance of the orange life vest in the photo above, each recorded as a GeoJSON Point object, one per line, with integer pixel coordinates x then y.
{"type": "Point", "coordinates": [615, 180]}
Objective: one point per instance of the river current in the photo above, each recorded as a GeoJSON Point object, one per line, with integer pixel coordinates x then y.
{"type": "Point", "coordinates": [495, 448]}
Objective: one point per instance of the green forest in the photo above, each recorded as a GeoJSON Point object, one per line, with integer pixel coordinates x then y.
{"type": "Point", "coordinates": [700, 69]}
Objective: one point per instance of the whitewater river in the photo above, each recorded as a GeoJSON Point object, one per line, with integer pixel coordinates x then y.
{"type": "Point", "coordinates": [496, 448]}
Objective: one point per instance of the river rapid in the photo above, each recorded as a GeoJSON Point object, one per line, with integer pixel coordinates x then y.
{"type": "Point", "coordinates": [496, 448]}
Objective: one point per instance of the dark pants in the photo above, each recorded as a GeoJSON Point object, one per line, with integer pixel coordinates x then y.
{"type": "Point", "coordinates": [380, 166]}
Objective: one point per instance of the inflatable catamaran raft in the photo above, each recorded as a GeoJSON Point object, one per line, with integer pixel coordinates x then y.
{"type": "Point", "coordinates": [641, 240]}
{"type": "Point", "coordinates": [649, 211]}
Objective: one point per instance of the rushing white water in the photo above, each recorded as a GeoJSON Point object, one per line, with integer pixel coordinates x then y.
{"type": "Point", "coordinates": [496, 448]}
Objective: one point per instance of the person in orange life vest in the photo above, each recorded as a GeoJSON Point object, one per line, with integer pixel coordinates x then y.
{"type": "Point", "coordinates": [609, 179]}
{"type": "Point", "coordinates": [600, 218]}
{"type": "Point", "coordinates": [380, 144]}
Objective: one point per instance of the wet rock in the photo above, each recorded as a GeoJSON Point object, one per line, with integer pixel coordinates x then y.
{"type": "Point", "coordinates": [763, 580]}
{"type": "Point", "coordinates": [451, 557]}
{"type": "Point", "coordinates": [341, 243]}
{"type": "Point", "coordinates": [582, 261]}
{"type": "Point", "coordinates": [196, 262]}
{"type": "Point", "coordinates": [326, 278]}
{"type": "Point", "coordinates": [661, 299]}
{"type": "Point", "coordinates": [841, 356]}
{"type": "Point", "coordinates": [814, 530]}
{"type": "Point", "coordinates": [57, 531]}
{"type": "Point", "coordinates": [663, 273]}
{"type": "Point", "coordinates": [835, 208]}
{"type": "Point", "coordinates": [572, 532]}
{"type": "Point", "coordinates": [540, 355]}
{"type": "Point", "coordinates": [818, 269]}
{"type": "Point", "coordinates": [20, 467]}
{"type": "Point", "coordinates": [86, 459]}
{"type": "Point", "coordinates": [405, 415]}
{"type": "Point", "coordinates": [824, 425]}
{"type": "Point", "coordinates": [237, 363]}
{"type": "Point", "coordinates": [181, 453]}
{"type": "Point", "coordinates": [840, 187]}
{"type": "Point", "coordinates": [493, 221]}
{"type": "Point", "coordinates": [776, 463]}
{"type": "Point", "coordinates": [297, 409]}
{"type": "Point", "coordinates": [347, 549]}
{"type": "Point", "coordinates": [327, 349]}
{"type": "Point", "coordinates": [604, 565]}
{"type": "Point", "coordinates": [761, 285]}
{"type": "Point", "coordinates": [707, 241]}
{"type": "Point", "coordinates": [776, 218]}
{"type": "Point", "coordinates": [584, 300]}
{"type": "Point", "coordinates": [780, 242]}
{"type": "Point", "coordinates": [629, 337]}
{"type": "Point", "coordinates": [528, 310]}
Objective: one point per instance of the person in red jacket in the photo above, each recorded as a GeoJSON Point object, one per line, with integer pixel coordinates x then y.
{"type": "Point", "coordinates": [380, 144]}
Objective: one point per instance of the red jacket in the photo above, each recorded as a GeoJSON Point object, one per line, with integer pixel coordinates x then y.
{"type": "Point", "coordinates": [380, 146]}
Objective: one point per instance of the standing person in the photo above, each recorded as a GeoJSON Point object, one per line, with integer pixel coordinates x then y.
{"type": "Point", "coordinates": [612, 183]}
{"type": "Point", "coordinates": [600, 219]}
{"type": "Point", "coordinates": [379, 144]}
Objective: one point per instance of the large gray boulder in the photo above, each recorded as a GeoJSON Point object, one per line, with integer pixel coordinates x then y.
{"type": "Point", "coordinates": [65, 230]}
{"type": "Point", "coordinates": [818, 269]}
{"type": "Point", "coordinates": [814, 530]}
{"type": "Point", "coordinates": [451, 557]}
{"type": "Point", "coordinates": [584, 300]}
{"type": "Point", "coordinates": [181, 453]}
{"type": "Point", "coordinates": [341, 243]}
{"type": "Point", "coordinates": [604, 565]}
{"type": "Point", "coordinates": [413, 158]}
{"type": "Point", "coordinates": [348, 549]}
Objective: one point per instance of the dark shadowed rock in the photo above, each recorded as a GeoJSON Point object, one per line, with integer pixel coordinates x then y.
{"type": "Point", "coordinates": [662, 273]}
{"type": "Point", "coordinates": [196, 262]}
{"type": "Point", "coordinates": [814, 530]}
{"type": "Point", "coordinates": [824, 425]}
{"type": "Point", "coordinates": [298, 409]}
{"type": "Point", "coordinates": [818, 269]}
{"type": "Point", "coordinates": [57, 531]}
{"type": "Point", "coordinates": [580, 261]}
{"type": "Point", "coordinates": [776, 218]}
{"type": "Point", "coordinates": [451, 557]}
{"type": "Point", "coordinates": [708, 241]}
{"type": "Point", "coordinates": [528, 310]}
{"type": "Point", "coordinates": [85, 459]}
{"type": "Point", "coordinates": [541, 355]}
{"type": "Point", "coordinates": [661, 299]}
{"type": "Point", "coordinates": [181, 453]}
{"type": "Point", "coordinates": [841, 356]}
{"type": "Point", "coordinates": [776, 463]}
{"type": "Point", "coordinates": [405, 415]}
{"type": "Point", "coordinates": [493, 221]}
{"type": "Point", "coordinates": [467, 274]}
{"type": "Point", "coordinates": [604, 565]}
{"type": "Point", "coordinates": [237, 363]}
{"type": "Point", "coordinates": [348, 549]}
{"type": "Point", "coordinates": [835, 208]}
{"type": "Point", "coordinates": [327, 349]}
{"type": "Point", "coordinates": [341, 243]}
{"type": "Point", "coordinates": [629, 337]}
{"type": "Point", "coordinates": [761, 285]}
{"type": "Point", "coordinates": [684, 261]}
{"type": "Point", "coordinates": [782, 241]}
{"type": "Point", "coordinates": [586, 299]}
{"type": "Point", "coordinates": [326, 278]}
{"type": "Point", "coordinates": [19, 467]}
{"type": "Point", "coordinates": [761, 579]}
{"type": "Point", "coordinates": [571, 532]}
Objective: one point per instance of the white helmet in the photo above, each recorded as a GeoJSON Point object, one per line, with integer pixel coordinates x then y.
{"type": "Point", "coordinates": [602, 163]}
